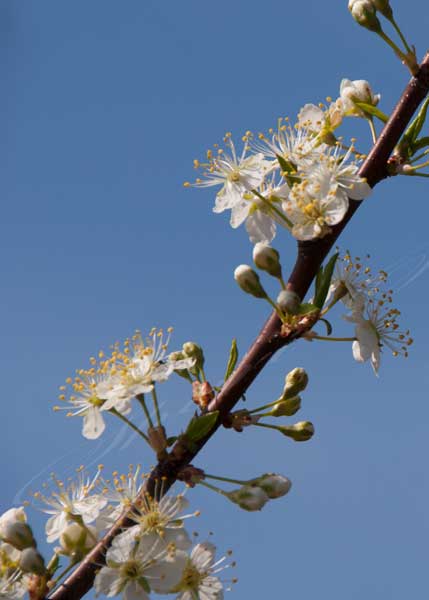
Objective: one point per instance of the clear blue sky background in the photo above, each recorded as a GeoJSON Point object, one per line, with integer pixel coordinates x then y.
{"type": "Point", "coordinates": [104, 106]}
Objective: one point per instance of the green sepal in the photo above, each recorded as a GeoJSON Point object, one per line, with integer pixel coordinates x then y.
{"type": "Point", "coordinates": [372, 111]}
{"type": "Point", "coordinates": [171, 440]}
{"type": "Point", "coordinates": [232, 360]}
{"type": "Point", "coordinates": [143, 582]}
{"type": "Point", "coordinates": [54, 564]}
{"type": "Point", "coordinates": [324, 284]}
{"type": "Point", "coordinates": [199, 427]}
{"type": "Point", "coordinates": [288, 170]}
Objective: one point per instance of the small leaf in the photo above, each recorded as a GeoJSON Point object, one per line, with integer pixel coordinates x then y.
{"type": "Point", "coordinates": [416, 126]}
{"type": "Point", "coordinates": [199, 427]}
{"type": "Point", "coordinates": [325, 284]}
{"type": "Point", "coordinates": [373, 111]}
{"type": "Point", "coordinates": [306, 308]}
{"type": "Point", "coordinates": [420, 144]}
{"type": "Point", "coordinates": [328, 326]}
{"type": "Point", "coordinates": [286, 166]}
{"type": "Point", "coordinates": [232, 360]}
{"type": "Point", "coordinates": [318, 280]}
{"type": "Point", "coordinates": [171, 440]}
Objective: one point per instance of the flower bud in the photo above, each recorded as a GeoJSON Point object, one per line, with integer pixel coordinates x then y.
{"type": "Point", "coordinates": [249, 281]}
{"type": "Point", "coordinates": [267, 259]}
{"type": "Point", "coordinates": [11, 516]}
{"type": "Point", "coordinates": [296, 381]}
{"type": "Point", "coordinates": [364, 13]}
{"type": "Point", "coordinates": [300, 432]}
{"type": "Point", "coordinates": [77, 541]}
{"type": "Point", "coordinates": [286, 408]}
{"type": "Point", "coordinates": [274, 485]}
{"type": "Point", "coordinates": [384, 7]}
{"type": "Point", "coordinates": [31, 561]}
{"type": "Point", "coordinates": [18, 535]}
{"type": "Point", "coordinates": [192, 350]}
{"type": "Point", "coordinates": [249, 497]}
{"type": "Point", "coordinates": [202, 393]}
{"type": "Point", "coordinates": [288, 302]}
{"type": "Point", "coordinates": [357, 91]}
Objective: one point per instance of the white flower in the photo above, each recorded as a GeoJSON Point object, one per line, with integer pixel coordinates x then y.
{"type": "Point", "coordinates": [142, 364]}
{"type": "Point", "coordinates": [13, 582]}
{"type": "Point", "coordinates": [321, 122]}
{"type": "Point", "coordinates": [11, 516]}
{"type": "Point", "coordinates": [352, 283]}
{"type": "Point", "coordinates": [357, 91]}
{"type": "Point", "coordinates": [296, 145]}
{"type": "Point", "coordinates": [375, 328]}
{"type": "Point", "coordinates": [158, 520]}
{"type": "Point", "coordinates": [135, 570]}
{"type": "Point", "coordinates": [261, 214]}
{"type": "Point", "coordinates": [236, 175]}
{"type": "Point", "coordinates": [198, 579]}
{"type": "Point", "coordinates": [312, 214]}
{"type": "Point", "coordinates": [65, 502]}
{"type": "Point", "coordinates": [122, 492]}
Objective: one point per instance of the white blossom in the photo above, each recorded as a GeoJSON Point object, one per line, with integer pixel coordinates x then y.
{"type": "Point", "coordinates": [13, 582]}
{"type": "Point", "coordinates": [321, 122]}
{"type": "Point", "coordinates": [134, 570]}
{"type": "Point", "coordinates": [11, 516]}
{"type": "Point", "coordinates": [69, 501]}
{"type": "Point", "coordinates": [357, 91]}
{"type": "Point", "coordinates": [199, 576]}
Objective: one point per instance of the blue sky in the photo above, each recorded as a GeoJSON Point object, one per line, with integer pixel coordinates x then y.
{"type": "Point", "coordinates": [105, 105]}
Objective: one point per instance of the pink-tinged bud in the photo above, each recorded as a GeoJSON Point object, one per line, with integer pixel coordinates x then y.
{"type": "Point", "coordinates": [202, 393]}
{"type": "Point", "coordinates": [267, 259]}
{"type": "Point", "coordinates": [249, 497]}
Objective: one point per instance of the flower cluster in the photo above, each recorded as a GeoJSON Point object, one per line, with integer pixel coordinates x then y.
{"type": "Point", "coordinates": [300, 176]}
{"type": "Point", "coordinates": [112, 382]}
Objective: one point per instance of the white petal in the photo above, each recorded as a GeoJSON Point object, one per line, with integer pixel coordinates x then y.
{"type": "Point", "coordinates": [359, 191]}
{"type": "Point", "coordinates": [93, 424]}
{"type": "Point", "coordinates": [55, 525]}
{"type": "Point", "coordinates": [239, 213]}
{"type": "Point", "coordinates": [260, 227]}
{"type": "Point", "coordinates": [134, 591]}
{"type": "Point", "coordinates": [166, 574]}
{"type": "Point", "coordinates": [107, 582]}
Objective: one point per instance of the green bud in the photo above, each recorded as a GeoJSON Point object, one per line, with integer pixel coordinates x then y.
{"type": "Point", "coordinates": [384, 7]}
{"type": "Point", "coordinates": [286, 408]}
{"type": "Point", "coordinates": [364, 13]}
{"type": "Point", "coordinates": [248, 497]}
{"type": "Point", "coordinates": [19, 535]}
{"type": "Point", "coordinates": [275, 486]}
{"type": "Point", "coordinates": [296, 381]}
{"type": "Point", "coordinates": [300, 432]}
{"type": "Point", "coordinates": [192, 350]}
{"type": "Point", "coordinates": [31, 561]}
{"type": "Point", "coordinates": [267, 259]}
{"type": "Point", "coordinates": [77, 541]}
{"type": "Point", "coordinates": [249, 281]}
{"type": "Point", "coordinates": [288, 302]}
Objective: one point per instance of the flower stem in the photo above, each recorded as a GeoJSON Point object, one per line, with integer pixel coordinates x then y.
{"type": "Point", "coordinates": [276, 308]}
{"type": "Point", "coordinates": [372, 128]}
{"type": "Point", "coordinates": [401, 35]}
{"type": "Point", "coordinates": [226, 479]}
{"type": "Point", "coordinates": [129, 423]}
{"type": "Point", "coordinates": [407, 59]}
{"type": "Point", "coordinates": [332, 339]}
{"type": "Point", "coordinates": [212, 487]}
{"type": "Point", "coordinates": [259, 408]}
{"type": "Point", "coordinates": [156, 406]}
{"type": "Point", "coordinates": [54, 582]}
{"type": "Point", "coordinates": [140, 398]}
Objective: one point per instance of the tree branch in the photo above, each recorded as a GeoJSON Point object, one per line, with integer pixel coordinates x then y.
{"type": "Point", "coordinates": [309, 258]}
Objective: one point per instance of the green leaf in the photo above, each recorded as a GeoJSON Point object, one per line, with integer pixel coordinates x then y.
{"type": "Point", "coordinates": [325, 283]}
{"type": "Point", "coordinates": [171, 440]}
{"type": "Point", "coordinates": [232, 360]}
{"type": "Point", "coordinates": [199, 427]}
{"type": "Point", "coordinates": [306, 308]}
{"type": "Point", "coordinates": [328, 326]}
{"type": "Point", "coordinates": [286, 166]}
{"type": "Point", "coordinates": [318, 280]}
{"type": "Point", "coordinates": [410, 136]}
{"type": "Point", "coordinates": [420, 144]}
{"type": "Point", "coordinates": [372, 111]}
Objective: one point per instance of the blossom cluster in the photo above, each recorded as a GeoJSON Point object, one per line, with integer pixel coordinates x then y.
{"type": "Point", "coordinates": [300, 176]}
{"type": "Point", "coordinates": [113, 381]}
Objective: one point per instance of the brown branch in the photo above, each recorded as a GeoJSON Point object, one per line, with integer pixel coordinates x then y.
{"type": "Point", "coordinates": [310, 256]}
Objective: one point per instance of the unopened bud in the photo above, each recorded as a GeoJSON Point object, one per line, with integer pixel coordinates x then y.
{"type": "Point", "coordinates": [384, 7]}
{"type": "Point", "coordinates": [357, 91]}
{"type": "Point", "coordinates": [193, 350]}
{"type": "Point", "coordinates": [286, 408]}
{"type": "Point", "coordinates": [249, 281]}
{"type": "Point", "coordinates": [267, 259]}
{"type": "Point", "coordinates": [202, 393]}
{"type": "Point", "coordinates": [295, 382]}
{"type": "Point", "coordinates": [364, 13]}
{"type": "Point", "coordinates": [300, 432]}
{"type": "Point", "coordinates": [77, 541]}
{"type": "Point", "coordinates": [11, 516]}
{"type": "Point", "coordinates": [31, 561]}
{"type": "Point", "coordinates": [18, 535]}
{"type": "Point", "coordinates": [274, 485]}
{"type": "Point", "coordinates": [288, 302]}
{"type": "Point", "coordinates": [249, 497]}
